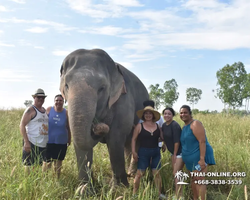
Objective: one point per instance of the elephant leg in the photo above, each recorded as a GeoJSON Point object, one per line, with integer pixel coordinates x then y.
{"type": "Point", "coordinates": [128, 150]}
{"type": "Point", "coordinates": [84, 162]}
{"type": "Point", "coordinates": [116, 153]}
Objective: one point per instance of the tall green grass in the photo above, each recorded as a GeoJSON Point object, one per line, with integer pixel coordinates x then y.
{"type": "Point", "coordinates": [228, 135]}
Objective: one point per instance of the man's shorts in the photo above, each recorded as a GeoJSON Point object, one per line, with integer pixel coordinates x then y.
{"type": "Point", "coordinates": [36, 156]}
{"type": "Point", "coordinates": [149, 157]}
{"type": "Point", "coordinates": [56, 151]}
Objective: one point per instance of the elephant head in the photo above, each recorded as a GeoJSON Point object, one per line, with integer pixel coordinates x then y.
{"type": "Point", "coordinates": [91, 82]}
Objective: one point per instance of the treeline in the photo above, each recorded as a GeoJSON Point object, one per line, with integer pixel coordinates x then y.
{"type": "Point", "coordinates": [234, 89]}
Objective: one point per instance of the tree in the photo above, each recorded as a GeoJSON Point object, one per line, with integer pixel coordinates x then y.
{"type": "Point", "coordinates": [170, 95]}
{"type": "Point", "coordinates": [28, 103]}
{"type": "Point", "coordinates": [193, 95]}
{"type": "Point", "coordinates": [232, 81]}
{"type": "Point", "coordinates": [156, 94]}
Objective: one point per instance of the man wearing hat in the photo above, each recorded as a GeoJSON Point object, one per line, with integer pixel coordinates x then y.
{"type": "Point", "coordinates": [34, 129]}
{"type": "Point", "coordinates": [147, 133]}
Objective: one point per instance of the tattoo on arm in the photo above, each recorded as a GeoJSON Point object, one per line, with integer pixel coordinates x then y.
{"type": "Point", "coordinates": [28, 111]}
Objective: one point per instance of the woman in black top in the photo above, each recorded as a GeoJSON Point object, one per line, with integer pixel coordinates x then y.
{"type": "Point", "coordinates": [172, 134]}
{"type": "Point", "coordinates": [147, 133]}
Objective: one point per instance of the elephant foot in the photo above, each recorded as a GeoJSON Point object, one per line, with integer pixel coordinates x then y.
{"type": "Point", "coordinates": [100, 129]}
{"type": "Point", "coordinates": [114, 182]}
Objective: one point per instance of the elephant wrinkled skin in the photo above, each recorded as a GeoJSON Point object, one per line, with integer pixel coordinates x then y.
{"type": "Point", "coordinates": [102, 95]}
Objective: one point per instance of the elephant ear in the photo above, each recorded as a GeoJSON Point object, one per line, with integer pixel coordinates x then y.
{"type": "Point", "coordinates": [118, 86]}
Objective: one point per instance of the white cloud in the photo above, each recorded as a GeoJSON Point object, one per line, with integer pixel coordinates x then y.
{"type": "Point", "coordinates": [7, 75]}
{"type": "Point", "coordinates": [19, 1]}
{"type": "Point", "coordinates": [138, 57]}
{"type": "Point", "coordinates": [37, 30]}
{"type": "Point", "coordinates": [100, 11]}
{"type": "Point", "coordinates": [106, 30]}
{"type": "Point", "coordinates": [49, 24]}
{"type": "Point", "coordinates": [3, 9]}
{"type": "Point", "coordinates": [127, 65]}
{"type": "Point", "coordinates": [6, 45]}
{"type": "Point", "coordinates": [247, 66]}
{"type": "Point", "coordinates": [61, 53]}
{"type": "Point", "coordinates": [38, 47]}
{"type": "Point", "coordinates": [57, 26]}
{"type": "Point", "coordinates": [127, 3]}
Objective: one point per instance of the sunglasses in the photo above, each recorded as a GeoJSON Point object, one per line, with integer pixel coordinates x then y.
{"type": "Point", "coordinates": [40, 97]}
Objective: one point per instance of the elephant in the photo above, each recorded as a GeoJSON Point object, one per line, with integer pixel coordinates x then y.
{"type": "Point", "coordinates": [103, 97]}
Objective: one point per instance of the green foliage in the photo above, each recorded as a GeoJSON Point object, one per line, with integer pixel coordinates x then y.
{"type": "Point", "coordinates": [229, 136]}
{"type": "Point", "coordinates": [170, 93]}
{"type": "Point", "coordinates": [195, 111]}
{"type": "Point", "coordinates": [235, 112]}
{"type": "Point", "coordinates": [193, 95]}
{"type": "Point", "coordinates": [166, 96]}
{"type": "Point", "coordinates": [156, 94]}
{"type": "Point", "coordinates": [232, 81]}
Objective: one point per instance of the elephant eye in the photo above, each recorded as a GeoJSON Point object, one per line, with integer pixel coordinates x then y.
{"type": "Point", "coordinates": [66, 86]}
{"type": "Point", "coordinates": [101, 89]}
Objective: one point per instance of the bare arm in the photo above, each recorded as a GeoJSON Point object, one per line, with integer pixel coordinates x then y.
{"type": "Point", "coordinates": [163, 148]}
{"type": "Point", "coordinates": [176, 148]}
{"type": "Point", "coordinates": [48, 110]}
{"type": "Point", "coordinates": [199, 133]}
{"type": "Point", "coordinates": [136, 132]}
{"type": "Point", "coordinates": [28, 114]}
{"type": "Point", "coordinates": [67, 126]}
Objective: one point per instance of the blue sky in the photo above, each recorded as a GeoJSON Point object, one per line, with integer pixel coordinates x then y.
{"type": "Point", "coordinates": [188, 40]}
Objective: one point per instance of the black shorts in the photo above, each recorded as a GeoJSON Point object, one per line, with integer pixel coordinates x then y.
{"type": "Point", "coordinates": [55, 151]}
{"type": "Point", "coordinates": [36, 156]}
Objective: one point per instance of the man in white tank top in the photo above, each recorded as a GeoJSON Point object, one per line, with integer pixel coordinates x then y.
{"type": "Point", "coordinates": [34, 129]}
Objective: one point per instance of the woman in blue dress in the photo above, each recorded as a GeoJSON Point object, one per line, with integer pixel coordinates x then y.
{"type": "Point", "coordinates": [197, 153]}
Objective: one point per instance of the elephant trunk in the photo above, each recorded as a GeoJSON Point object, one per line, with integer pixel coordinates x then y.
{"type": "Point", "coordinates": [82, 108]}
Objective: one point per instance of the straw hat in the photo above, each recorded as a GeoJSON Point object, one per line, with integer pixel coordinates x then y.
{"type": "Point", "coordinates": [156, 114]}
{"type": "Point", "coordinates": [39, 92]}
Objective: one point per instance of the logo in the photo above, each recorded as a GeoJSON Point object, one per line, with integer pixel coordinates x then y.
{"type": "Point", "coordinates": [181, 177]}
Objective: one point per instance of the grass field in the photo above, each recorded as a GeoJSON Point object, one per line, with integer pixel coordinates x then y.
{"type": "Point", "coordinates": [228, 135]}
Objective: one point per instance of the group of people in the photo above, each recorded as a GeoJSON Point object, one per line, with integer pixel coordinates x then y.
{"type": "Point", "coordinates": [46, 133]}
{"type": "Point", "coordinates": [187, 146]}
{"type": "Point", "coordinates": [46, 136]}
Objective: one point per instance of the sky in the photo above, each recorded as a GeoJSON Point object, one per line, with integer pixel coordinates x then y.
{"type": "Point", "coordinates": [185, 40]}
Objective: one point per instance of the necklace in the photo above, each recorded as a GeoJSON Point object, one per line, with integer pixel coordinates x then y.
{"type": "Point", "coordinates": [152, 133]}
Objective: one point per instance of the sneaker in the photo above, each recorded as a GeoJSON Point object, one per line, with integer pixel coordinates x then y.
{"type": "Point", "coordinates": [162, 196]}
